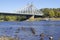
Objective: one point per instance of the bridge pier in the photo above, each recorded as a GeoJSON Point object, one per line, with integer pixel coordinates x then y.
{"type": "Point", "coordinates": [31, 18]}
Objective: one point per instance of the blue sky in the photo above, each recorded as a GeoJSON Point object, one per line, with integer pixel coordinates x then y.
{"type": "Point", "coordinates": [12, 5]}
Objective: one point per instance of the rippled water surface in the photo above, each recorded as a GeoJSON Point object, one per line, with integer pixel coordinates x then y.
{"type": "Point", "coordinates": [23, 29]}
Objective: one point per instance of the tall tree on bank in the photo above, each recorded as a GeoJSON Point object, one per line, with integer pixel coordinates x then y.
{"type": "Point", "coordinates": [51, 13]}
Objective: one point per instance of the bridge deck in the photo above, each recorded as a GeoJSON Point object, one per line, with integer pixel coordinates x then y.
{"type": "Point", "coordinates": [22, 14]}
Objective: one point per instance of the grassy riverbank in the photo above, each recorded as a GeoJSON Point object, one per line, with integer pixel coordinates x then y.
{"type": "Point", "coordinates": [53, 19]}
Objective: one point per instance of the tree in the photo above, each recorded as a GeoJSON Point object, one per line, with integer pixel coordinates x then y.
{"type": "Point", "coordinates": [57, 14]}
{"type": "Point", "coordinates": [45, 11]}
{"type": "Point", "coordinates": [51, 13]}
{"type": "Point", "coordinates": [21, 18]}
{"type": "Point", "coordinates": [1, 17]}
{"type": "Point", "coordinates": [10, 18]}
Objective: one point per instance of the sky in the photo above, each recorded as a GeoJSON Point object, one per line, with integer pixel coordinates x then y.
{"type": "Point", "coordinates": [13, 5]}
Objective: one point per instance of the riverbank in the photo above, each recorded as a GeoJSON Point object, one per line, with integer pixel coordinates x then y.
{"type": "Point", "coordinates": [55, 19]}
{"type": "Point", "coordinates": [52, 19]}
{"type": "Point", "coordinates": [40, 19]}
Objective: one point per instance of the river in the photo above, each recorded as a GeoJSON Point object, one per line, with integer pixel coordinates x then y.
{"type": "Point", "coordinates": [22, 29]}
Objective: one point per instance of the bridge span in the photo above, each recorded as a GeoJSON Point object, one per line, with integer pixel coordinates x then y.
{"type": "Point", "coordinates": [29, 10]}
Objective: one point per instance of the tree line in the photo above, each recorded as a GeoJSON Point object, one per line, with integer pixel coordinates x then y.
{"type": "Point", "coordinates": [12, 18]}
{"type": "Point", "coordinates": [51, 12]}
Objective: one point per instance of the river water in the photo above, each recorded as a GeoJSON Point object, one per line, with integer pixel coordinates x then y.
{"type": "Point", "coordinates": [23, 29]}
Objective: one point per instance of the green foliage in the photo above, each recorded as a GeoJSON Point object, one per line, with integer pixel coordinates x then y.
{"type": "Point", "coordinates": [10, 18]}
{"type": "Point", "coordinates": [21, 18]}
{"type": "Point", "coordinates": [51, 12]}
{"type": "Point", "coordinates": [58, 14]}
{"type": "Point", "coordinates": [1, 17]}
{"type": "Point", "coordinates": [45, 11]}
